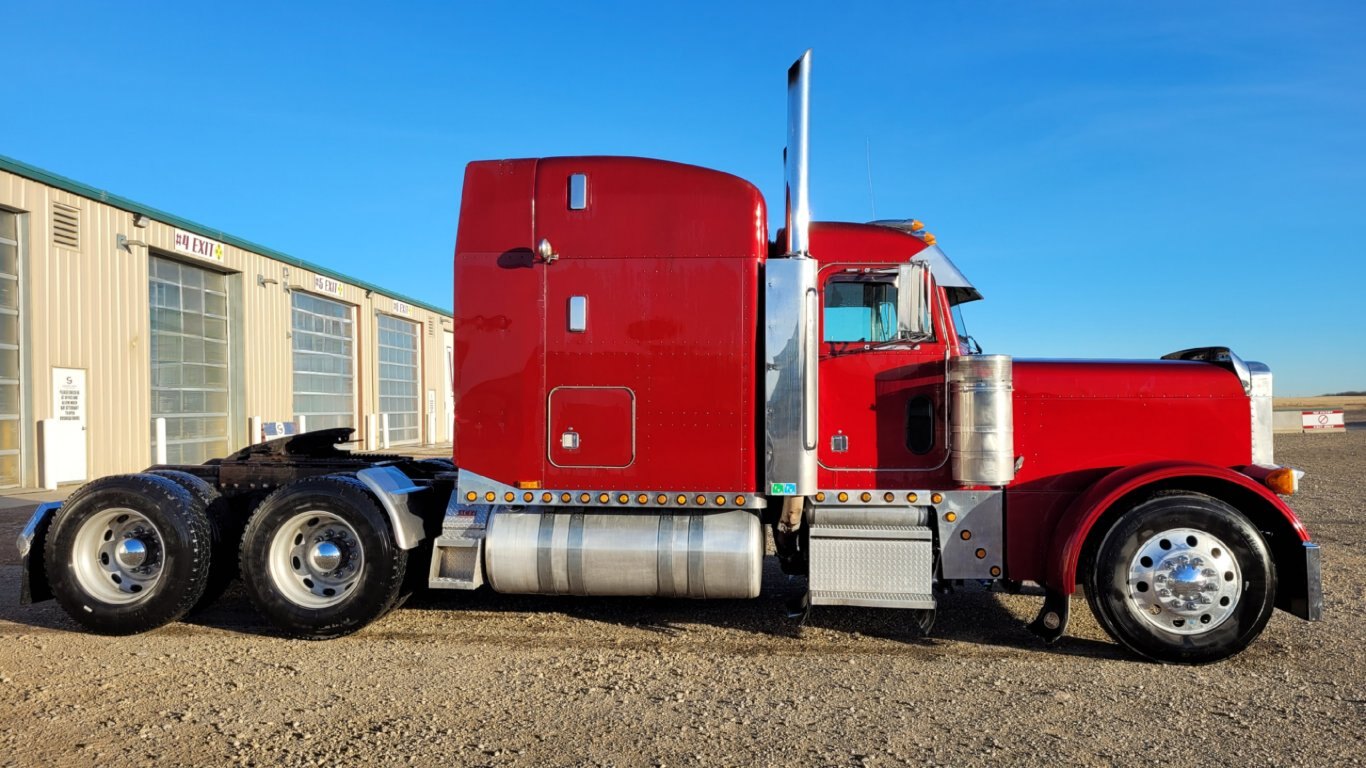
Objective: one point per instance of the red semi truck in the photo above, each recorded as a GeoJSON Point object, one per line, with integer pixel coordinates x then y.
{"type": "Point", "coordinates": [645, 385]}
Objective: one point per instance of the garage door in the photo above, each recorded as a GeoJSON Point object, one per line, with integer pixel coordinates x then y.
{"type": "Point", "coordinates": [398, 380]}
{"type": "Point", "coordinates": [190, 360]}
{"type": "Point", "coordinates": [324, 382]}
{"type": "Point", "coordinates": [9, 351]}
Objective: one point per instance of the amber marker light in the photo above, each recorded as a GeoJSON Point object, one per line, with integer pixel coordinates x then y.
{"type": "Point", "coordinates": [527, 497]}
{"type": "Point", "coordinates": [937, 498]}
{"type": "Point", "coordinates": [995, 570]}
{"type": "Point", "coordinates": [720, 501]}
{"type": "Point", "coordinates": [917, 225]}
{"type": "Point", "coordinates": [701, 501]}
{"type": "Point", "coordinates": [820, 496]}
{"type": "Point", "coordinates": [471, 496]}
{"type": "Point", "coordinates": [966, 535]}
{"type": "Point", "coordinates": [565, 497]}
{"type": "Point", "coordinates": [585, 497]}
{"type": "Point", "coordinates": [887, 497]}
{"type": "Point", "coordinates": [866, 497]}
{"type": "Point", "coordinates": [547, 497]}
{"type": "Point", "coordinates": [490, 496]}
{"type": "Point", "coordinates": [661, 499]}
{"type": "Point", "coordinates": [643, 499]}
{"type": "Point", "coordinates": [930, 239]}
{"type": "Point", "coordinates": [739, 501]}
{"type": "Point", "coordinates": [682, 499]}
{"type": "Point", "coordinates": [981, 554]}
{"type": "Point", "coordinates": [843, 496]}
{"type": "Point", "coordinates": [603, 498]}
{"type": "Point", "coordinates": [1284, 481]}
{"type": "Point", "coordinates": [509, 496]}
{"type": "Point", "coordinates": [912, 498]}
{"type": "Point", "coordinates": [951, 516]}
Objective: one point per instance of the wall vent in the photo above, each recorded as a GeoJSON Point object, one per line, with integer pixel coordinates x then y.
{"type": "Point", "coordinates": [431, 327]}
{"type": "Point", "coordinates": [66, 226]}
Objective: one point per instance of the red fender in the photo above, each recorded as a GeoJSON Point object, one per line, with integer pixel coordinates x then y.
{"type": "Point", "coordinates": [1072, 530]}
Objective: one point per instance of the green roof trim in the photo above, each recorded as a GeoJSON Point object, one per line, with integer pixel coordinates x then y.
{"type": "Point", "coordinates": [84, 190]}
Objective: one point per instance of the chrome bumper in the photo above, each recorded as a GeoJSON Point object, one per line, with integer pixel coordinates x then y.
{"type": "Point", "coordinates": [33, 584]}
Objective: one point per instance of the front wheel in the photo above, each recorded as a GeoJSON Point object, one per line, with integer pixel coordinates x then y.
{"type": "Point", "coordinates": [1184, 579]}
{"type": "Point", "coordinates": [318, 559]}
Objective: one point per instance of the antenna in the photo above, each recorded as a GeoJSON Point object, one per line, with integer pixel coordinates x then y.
{"type": "Point", "coordinates": [868, 157]}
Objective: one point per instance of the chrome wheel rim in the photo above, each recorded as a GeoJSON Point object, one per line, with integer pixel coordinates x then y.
{"type": "Point", "coordinates": [118, 556]}
{"type": "Point", "coordinates": [1184, 581]}
{"type": "Point", "coordinates": [316, 558]}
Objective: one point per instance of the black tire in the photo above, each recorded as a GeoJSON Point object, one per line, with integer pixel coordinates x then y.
{"type": "Point", "coordinates": [177, 544]}
{"type": "Point", "coordinates": [1195, 611]}
{"type": "Point", "coordinates": [225, 532]}
{"type": "Point", "coordinates": [282, 594]}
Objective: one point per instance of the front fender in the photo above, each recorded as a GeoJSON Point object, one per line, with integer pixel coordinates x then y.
{"type": "Point", "coordinates": [1074, 527]}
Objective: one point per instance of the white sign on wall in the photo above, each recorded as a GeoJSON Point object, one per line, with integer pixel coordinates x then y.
{"type": "Point", "coordinates": [203, 247]}
{"type": "Point", "coordinates": [64, 434]}
{"type": "Point", "coordinates": [402, 309]}
{"type": "Point", "coordinates": [68, 394]}
{"type": "Point", "coordinates": [327, 285]}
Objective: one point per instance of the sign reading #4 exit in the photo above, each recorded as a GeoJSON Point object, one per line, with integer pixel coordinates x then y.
{"type": "Point", "coordinates": [203, 247]}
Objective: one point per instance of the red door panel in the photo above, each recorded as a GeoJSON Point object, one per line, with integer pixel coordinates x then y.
{"type": "Point", "coordinates": [592, 427]}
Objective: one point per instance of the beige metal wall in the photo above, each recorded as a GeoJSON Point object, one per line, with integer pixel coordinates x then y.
{"type": "Point", "coordinates": [88, 308]}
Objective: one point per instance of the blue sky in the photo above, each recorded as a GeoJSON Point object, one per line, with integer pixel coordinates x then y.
{"type": "Point", "coordinates": [1119, 179]}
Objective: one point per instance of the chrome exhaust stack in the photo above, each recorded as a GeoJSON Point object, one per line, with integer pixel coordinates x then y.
{"type": "Point", "coordinates": [791, 341]}
{"type": "Point", "coordinates": [797, 156]}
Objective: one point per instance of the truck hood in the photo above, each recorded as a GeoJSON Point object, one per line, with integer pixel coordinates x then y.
{"type": "Point", "coordinates": [1124, 379]}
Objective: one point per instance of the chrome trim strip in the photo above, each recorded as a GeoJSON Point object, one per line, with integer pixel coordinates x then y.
{"type": "Point", "coordinates": [468, 482]}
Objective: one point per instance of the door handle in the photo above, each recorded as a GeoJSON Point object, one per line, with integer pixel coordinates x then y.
{"type": "Point", "coordinates": [546, 251]}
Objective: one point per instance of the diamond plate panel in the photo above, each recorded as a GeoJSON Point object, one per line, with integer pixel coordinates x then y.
{"type": "Point", "coordinates": [861, 567]}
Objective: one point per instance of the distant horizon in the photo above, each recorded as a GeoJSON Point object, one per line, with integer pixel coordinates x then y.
{"type": "Point", "coordinates": [1118, 182]}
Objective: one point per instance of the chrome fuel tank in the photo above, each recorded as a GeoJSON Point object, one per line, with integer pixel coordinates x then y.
{"type": "Point", "coordinates": [713, 555]}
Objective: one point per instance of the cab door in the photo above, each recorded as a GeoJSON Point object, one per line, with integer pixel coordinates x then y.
{"type": "Point", "coordinates": [882, 401]}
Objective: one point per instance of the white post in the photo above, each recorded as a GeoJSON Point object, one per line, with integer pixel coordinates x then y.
{"type": "Point", "coordinates": [369, 431]}
{"type": "Point", "coordinates": [256, 435]}
{"type": "Point", "coordinates": [161, 440]}
{"type": "Point", "coordinates": [302, 421]}
{"type": "Point", "coordinates": [431, 429]}
{"type": "Point", "coordinates": [46, 428]}
{"type": "Point", "coordinates": [384, 431]}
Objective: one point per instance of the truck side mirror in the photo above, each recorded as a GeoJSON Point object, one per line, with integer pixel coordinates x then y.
{"type": "Point", "coordinates": [913, 301]}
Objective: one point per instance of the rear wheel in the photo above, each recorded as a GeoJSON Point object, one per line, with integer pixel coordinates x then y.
{"type": "Point", "coordinates": [318, 558]}
{"type": "Point", "coordinates": [1183, 578]}
{"type": "Point", "coordinates": [224, 529]}
{"type": "Point", "coordinates": [128, 553]}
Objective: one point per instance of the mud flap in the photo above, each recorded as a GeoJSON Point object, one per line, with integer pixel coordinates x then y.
{"type": "Point", "coordinates": [1051, 623]}
{"type": "Point", "coordinates": [33, 586]}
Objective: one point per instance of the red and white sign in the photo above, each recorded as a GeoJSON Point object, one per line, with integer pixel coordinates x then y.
{"type": "Point", "coordinates": [1315, 421]}
{"type": "Point", "coordinates": [326, 285]}
{"type": "Point", "coordinates": [203, 247]}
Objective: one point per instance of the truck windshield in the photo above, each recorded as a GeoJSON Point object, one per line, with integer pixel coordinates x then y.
{"type": "Point", "coordinates": [966, 343]}
{"type": "Point", "coordinates": [860, 310]}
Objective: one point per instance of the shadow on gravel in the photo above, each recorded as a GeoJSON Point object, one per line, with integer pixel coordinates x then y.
{"type": "Point", "coordinates": [970, 614]}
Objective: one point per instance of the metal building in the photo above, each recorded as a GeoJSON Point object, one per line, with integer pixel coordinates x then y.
{"type": "Point", "coordinates": [128, 334]}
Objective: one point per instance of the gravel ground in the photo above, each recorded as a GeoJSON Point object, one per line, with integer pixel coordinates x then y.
{"type": "Point", "coordinates": [482, 679]}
